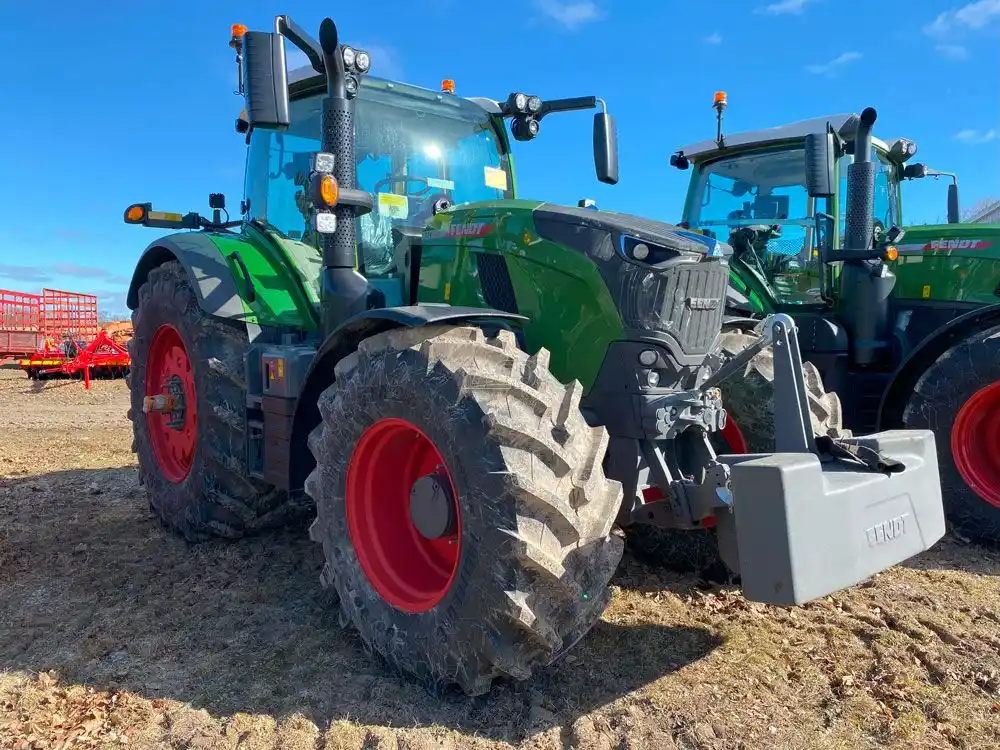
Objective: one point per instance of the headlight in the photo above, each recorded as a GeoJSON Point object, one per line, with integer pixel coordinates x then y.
{"type": "Point", "coordinates": [521, 102]}
{"type": "Point", "coordinates": [349, 56]}
{"type": "Point", "coordinates": [534, 104]}
{"type": "Point", "coordinates": [640, 251]}
{"type": "Point", "coordinates": [363, 62]}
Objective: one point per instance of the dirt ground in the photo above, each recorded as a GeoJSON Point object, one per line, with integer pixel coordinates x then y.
{"type": "Point", "coordinates": [114, 633]}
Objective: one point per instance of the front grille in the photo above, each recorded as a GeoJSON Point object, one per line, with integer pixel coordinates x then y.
{"type": "Point", "coordinates": [494, 278]}
{"type": "Point", "coordinates": [685, 301]}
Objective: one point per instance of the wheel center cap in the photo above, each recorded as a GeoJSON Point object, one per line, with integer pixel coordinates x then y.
{"type": "Point", "coordinates": [171, 402]}
{"type": "Point", "coordinates": [432, 508]}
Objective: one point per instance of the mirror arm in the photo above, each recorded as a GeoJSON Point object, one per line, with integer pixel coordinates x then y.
{"type": "Point", "coordinates": [572, 104]}
{"type": "Point", "coordinates": [297, 35]}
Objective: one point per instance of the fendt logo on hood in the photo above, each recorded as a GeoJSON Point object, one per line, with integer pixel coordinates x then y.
{"type": "Point", "coordinates": [957, 245]}
{"type": "Point", "coordinates": [945, 245]}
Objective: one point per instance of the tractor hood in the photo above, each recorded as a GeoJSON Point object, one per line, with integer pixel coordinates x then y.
{"type": "Point", "coordinates": [949, 262]}
{"type": "Point", "coordinates": [627, 229]}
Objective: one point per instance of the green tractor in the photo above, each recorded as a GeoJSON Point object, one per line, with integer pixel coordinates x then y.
{"type": "Point", "coordinates": [471, 394]}
{"type": "Point", "coordinates": [904, 325]}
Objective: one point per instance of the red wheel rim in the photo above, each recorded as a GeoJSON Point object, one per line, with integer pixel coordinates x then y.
{"type": "Point", "coordinates": [173, 434]}
{"type": "Point", "coordinates": [975, 443]}
{"type": "Point", "coordinates": [409, 571]}
{"type": "Point", "coordinates": [733, 435]}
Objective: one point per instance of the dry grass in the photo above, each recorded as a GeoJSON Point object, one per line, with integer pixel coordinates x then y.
{"type": "Point", "coordinates": [113, 633]}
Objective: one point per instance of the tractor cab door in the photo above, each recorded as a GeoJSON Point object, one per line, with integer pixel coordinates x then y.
{"type": "Point", "coordinates": [757, 202]}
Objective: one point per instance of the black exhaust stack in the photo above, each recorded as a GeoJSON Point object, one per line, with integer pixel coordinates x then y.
{"type": "Point", "coordinates": [343, 291]}
{"type": "Point", "coordinates": [866, 282]}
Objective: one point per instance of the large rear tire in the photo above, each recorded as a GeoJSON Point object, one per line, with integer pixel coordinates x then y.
{"type": "Point", "coordinates": [749, 403]}
{"type": "Point", "coordinates": [522, 572]}
{"type": "Point", "coordinates": [958, 397]}
{"type": "Point", "coordinates": [195, 470]}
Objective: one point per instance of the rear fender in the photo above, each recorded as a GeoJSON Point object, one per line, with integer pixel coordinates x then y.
{"type": "Point", "coordinates": [210, 275]}
{"type": "Point", "coordinates": [904, 380]}
{"type": "Point", "coordinates": [346, 339]}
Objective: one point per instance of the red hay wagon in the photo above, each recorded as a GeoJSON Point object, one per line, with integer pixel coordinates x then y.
{"type": "Point", "coordinates": [57, 333]}
{"type": "Point", "coordinates": [20, 324]}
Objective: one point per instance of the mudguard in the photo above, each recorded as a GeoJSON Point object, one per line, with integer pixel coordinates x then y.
{"type": "Point", "coordinates": [345, 339]}
{"type": "Point", "coordinates": [904, 379]}
{"type": "Point", "coordinates": [371, 322]}
{"type": "Point", "coordinates": [206, 267]}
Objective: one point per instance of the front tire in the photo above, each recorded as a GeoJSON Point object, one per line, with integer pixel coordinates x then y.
{"type": "Point", "coordinates": [195, 470]}
{"type": "Point", "coordinates": [523, 572]}
{"type": "Point", "coordinates": [958, 398]}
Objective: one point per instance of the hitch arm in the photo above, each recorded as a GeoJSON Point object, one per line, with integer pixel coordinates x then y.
{"type": "Point", "coordinates": [793, 431]}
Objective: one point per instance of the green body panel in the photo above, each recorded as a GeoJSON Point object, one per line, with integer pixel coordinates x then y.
{"type": "Point", "coordinates": [285, 276]}
{"type": "Point", "coordinates": [569, 308]}
{"type": "Point", "coordinates": [949, 262]}
{"type": "Point", "coordinates": [759, 299]}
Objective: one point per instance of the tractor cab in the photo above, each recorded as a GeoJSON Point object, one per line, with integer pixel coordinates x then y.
{"type": "Point", "coordinates": [751, 192]}
{"type": "Point", "coordinates": [418, 152]}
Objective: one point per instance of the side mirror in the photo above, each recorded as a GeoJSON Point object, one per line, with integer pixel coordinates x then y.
{"type": "Point", "coordinates": [953, 204]}
{"type": "Point", "coordinates": [606, 148]}
{"type": "Point", "coordinates": [915, 171]}
{"type": "Point", "coordinates": [266, 80]}
{"type": "Point", "coordinates": [819, 165]}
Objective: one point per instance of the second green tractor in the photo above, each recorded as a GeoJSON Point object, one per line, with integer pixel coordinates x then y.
{"type": "Point", "coordinates": [905, 329]}
{"type": "Point", "coordinates": [470, 394]}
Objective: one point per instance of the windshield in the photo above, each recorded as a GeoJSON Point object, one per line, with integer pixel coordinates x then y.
{"type": "Point", "coordinates": [413, 147]}
{"type": "Point", "coordinates": [758, 203]}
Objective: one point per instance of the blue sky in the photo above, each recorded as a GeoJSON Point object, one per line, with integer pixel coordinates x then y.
{"type": "Point", "coordinates": [126, 102]}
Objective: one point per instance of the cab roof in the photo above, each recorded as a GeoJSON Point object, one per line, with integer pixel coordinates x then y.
{"type": "Point", "coordinates": [306, 73]}
{"type": "Point", "coordinates": [844, 124]}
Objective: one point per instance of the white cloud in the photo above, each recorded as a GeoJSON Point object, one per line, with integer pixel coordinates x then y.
{"type": "Point", "coordinates": [829, 68]}
{"type": "Point", "coordinates": [975, 15]}
{"type": "Point", "coordinates": [714, 38]}
{"type": "Point", "coordinates": [570, 15]}
{"type": "Point", "coordinates": [973, 137]}
{"type": "Point", "coordinates": [953, 51]}
{"type": "Point", "coordinates": [784, 7]}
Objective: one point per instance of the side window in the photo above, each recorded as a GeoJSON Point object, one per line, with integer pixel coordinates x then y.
{"type": "Point", "coordinates": [886, 203]}
{"type": "Point", "coordinates": [885, 199]}
{"type": "Point", "coordinates": [280, 162]}
{"type": "Point", "coordinates": [842, 193]}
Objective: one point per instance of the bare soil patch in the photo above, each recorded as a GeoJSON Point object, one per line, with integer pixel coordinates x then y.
{"type": "Point", "coordinates": [115, 633]}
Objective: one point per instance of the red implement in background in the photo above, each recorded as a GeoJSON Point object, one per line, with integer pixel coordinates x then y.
{"type": "Point", "coordinates": [69, 313]}
{"type": "Point", "coordinates": [27, 320]}
{"type": "Point", "coordinates": [103, 354]}
{"type": "Point", "coordinates": [20, 323]}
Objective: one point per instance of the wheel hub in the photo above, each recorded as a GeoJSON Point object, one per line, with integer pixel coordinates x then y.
{"type": "Point", "coordinates": [169, 404]}
{"type": "Point", "coordinates": [432, 508]}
